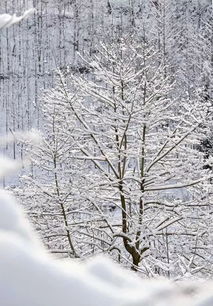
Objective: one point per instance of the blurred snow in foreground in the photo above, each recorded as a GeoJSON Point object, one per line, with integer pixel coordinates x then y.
{"type": "Point", "coordinates": [7, 20]}
{"type": "Point", "coordinates": [29, 276]}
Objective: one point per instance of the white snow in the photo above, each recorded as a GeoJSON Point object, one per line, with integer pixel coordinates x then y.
{"type": "Point", "coordinates": [29, 276]}
{"type": "Point", "coordinates": [8, 166]}
{"type": "Point", "coordinates": [14, 222]}
{"type": "Point", "coordinates": [7, 20]}
{"type": "Point", "coordinates": [33, 136]}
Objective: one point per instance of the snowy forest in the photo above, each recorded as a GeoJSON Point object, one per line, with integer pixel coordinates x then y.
{"type": "Point", "coordinates": [116, 97]}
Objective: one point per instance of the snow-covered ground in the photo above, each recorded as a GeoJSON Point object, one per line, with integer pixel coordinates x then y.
{"type": "Point", "coordinates": [30, 276]}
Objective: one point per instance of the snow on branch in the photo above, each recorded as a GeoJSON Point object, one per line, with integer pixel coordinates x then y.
{"type": "Point", "coordinates": [7, 20]}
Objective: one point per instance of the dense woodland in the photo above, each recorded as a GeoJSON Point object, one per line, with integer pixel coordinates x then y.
{"type": "Point", "coordinates": [121, 93]}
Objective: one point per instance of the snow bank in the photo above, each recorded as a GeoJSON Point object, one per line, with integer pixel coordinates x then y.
{"type": "Point", "coordinates": [30, 276]}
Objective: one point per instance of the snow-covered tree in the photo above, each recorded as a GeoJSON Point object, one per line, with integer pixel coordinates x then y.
{"type": "Point", "coordinates": [130, 172]}
{"type": "Point", "coordinates": [181, 30]}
